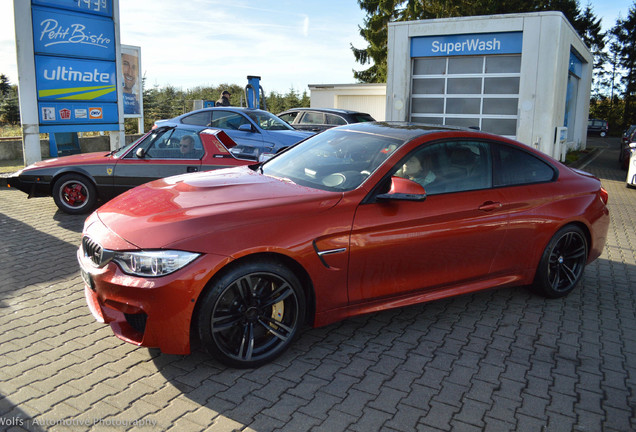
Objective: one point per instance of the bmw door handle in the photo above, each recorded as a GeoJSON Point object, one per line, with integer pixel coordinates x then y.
{"type": "Point", "coordinates": [490, 206]}
{"type": "Point", "coordinates": [192, 169]}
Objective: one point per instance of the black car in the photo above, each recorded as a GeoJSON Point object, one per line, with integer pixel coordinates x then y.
{"type": "Point", "coordinates": [624, 151]}
{"type": "Point", "coordinates": [320, 119]}
{"type": "Point", "coordinates": [597, 127]}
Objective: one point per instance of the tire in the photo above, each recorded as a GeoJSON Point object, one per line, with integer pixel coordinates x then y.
{"type": "Point", "coordinates": [562, 263]}
{"type": "Point", "coordinates": [74, 194]}
{"type": "Point", "coordinates": [251, 314]}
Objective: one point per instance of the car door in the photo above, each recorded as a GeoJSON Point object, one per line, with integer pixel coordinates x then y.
{"type": "Point", "coordinates": [312, 121]}
{"type": "Point", "coordinates": [526, 185]}
{"type": "Point", "coordinates": [245, 134]}
{"type": "Point", "coordinates": [156, 157]}
{"type": "Point", "coordinates": [400, 247]}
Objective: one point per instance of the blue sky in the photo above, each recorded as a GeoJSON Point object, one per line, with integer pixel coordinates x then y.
{"type": "Point", "coordinates": [290, 44]}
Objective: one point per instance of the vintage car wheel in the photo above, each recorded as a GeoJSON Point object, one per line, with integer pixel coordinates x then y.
{"type": "Point", "coordinates": [251, 314]}
{"type": "Point", "coordinates": [74, 194]}
{"type": "Point", "coordinates": [562, 263]}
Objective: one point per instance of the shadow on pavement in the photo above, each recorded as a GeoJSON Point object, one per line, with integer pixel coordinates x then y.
{"type": "Point", "coordinates": [30, 256]}
{"type": "Point", "coordinates": [13, 418]}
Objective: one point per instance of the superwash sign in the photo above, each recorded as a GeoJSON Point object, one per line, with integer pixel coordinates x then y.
{"type": "Point", "coordinates": [76, 72]}
{"type": "Point", "coordinates": [467, 44]}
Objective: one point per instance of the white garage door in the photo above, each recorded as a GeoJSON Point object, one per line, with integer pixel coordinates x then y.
{"type": "Point", "coordinates": [374, 105]}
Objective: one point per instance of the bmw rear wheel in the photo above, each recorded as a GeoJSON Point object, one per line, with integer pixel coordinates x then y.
{"type": "Point", "coordinates": [74, 194]}
{"type": "Point", "coordinates": [562, 263]}
{"type": "Point", "coordinates": [251, 314]}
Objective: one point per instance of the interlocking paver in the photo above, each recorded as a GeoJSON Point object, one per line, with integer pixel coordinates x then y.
{"type": "Point", "coordinates": [501, 360]}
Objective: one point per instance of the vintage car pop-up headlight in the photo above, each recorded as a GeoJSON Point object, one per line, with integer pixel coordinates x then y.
{"type": "Point", "coordinates": [153, 263]}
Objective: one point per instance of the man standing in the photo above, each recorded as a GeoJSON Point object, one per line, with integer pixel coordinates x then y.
{"type": "Point", "coordinates": [224, 100]}
{"type": "Point", "coordinates": [130, 68]}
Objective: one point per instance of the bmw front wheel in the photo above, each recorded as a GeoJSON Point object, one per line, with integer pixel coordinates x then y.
{"type": "Point", "coordinates": [251, 314]}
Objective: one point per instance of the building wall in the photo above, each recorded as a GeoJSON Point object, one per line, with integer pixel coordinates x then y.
{"type": "Point", "coordinates": [547, 40]}
{"type": "Point", "coordinates": [368, 98]}
{"type": "Point", "coordinates": [12, 149]}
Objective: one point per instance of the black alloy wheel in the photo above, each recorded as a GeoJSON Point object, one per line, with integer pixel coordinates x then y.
{"type": "Point", "coordinates": [562, 263]}
{"type": "Point", "coordinates": [252, 314]}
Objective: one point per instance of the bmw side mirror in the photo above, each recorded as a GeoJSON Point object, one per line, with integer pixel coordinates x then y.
{"type": "Point", "coordinates": [404, 190]}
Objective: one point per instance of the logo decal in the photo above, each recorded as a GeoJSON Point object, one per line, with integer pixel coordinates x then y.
{"type": "Point", "coordinates": [109, 171]}
{"type": "Point", "coordinates": [95, 113]}
{"type": "Point", "coordinates": [65, 114]}
{"type": "Point", "coordinates": [48, 114]}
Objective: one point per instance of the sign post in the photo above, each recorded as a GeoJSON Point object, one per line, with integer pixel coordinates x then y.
{"type": "Point", "coordinates": [132, 84]}
{"type": "Point", "coordinates": [68, 55]}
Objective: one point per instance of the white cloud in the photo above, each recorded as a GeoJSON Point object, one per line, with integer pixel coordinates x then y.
{"type": "Point", "coordinates": [306, 26]}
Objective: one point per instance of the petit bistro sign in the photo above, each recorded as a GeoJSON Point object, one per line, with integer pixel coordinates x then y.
{"type": "Point", "coordinates": [59, 32]}
{"type": "Point", "coordinates": [467, 44]}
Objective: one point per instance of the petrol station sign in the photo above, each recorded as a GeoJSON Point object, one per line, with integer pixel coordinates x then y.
{"type": "Point", "coordinates": [97, 7]}
{"type": "Point", "coordinates": [75, 48]}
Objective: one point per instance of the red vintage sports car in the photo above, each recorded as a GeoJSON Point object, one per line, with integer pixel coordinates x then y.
{"type": "Point", "coordinates": [78, 182]}
{"type": "Point", "coordinates": [357, 219]}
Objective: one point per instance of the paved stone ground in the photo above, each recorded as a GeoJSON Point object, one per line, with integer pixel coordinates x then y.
{"type": "Point", "coordinates": [501, 360]}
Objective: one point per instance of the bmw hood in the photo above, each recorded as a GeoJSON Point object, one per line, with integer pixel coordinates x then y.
{"type": "Point", "coordinates": [168, 211]}
{"type": "Point", "coordinates": [285, 138]}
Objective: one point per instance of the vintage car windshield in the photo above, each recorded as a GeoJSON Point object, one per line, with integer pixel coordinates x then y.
{"type": "Point", "coordinates": [122, 150]}
{"type": "Point", "coordinates": [335, 160]}
{"type": "Point", "coordinates": [268, 121]}
{"type": "Point", "coordinates": [151, 136]}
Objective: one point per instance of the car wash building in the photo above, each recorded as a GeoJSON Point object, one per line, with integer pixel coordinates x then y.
{"type": "Point", "coordinates": [524, 76]}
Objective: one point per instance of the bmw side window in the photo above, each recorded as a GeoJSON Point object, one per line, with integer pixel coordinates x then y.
{"type": "Point", "coordinates": [449, 167]}
{"type": "Point", "coordinates": [313, 118]}
{"type": "Point", "coordinates": [199, 119]}
{"type": "Point", "coordinates": [227, 120]}
{"type": "Point", "coordinates": [289, 117]}
{"type": "Point", "coordinates": [334, 120]}
{"type": "Point", "coordinates": [517, 167]}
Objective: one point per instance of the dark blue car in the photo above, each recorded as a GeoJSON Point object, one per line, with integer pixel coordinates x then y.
{"type": "Point", "coordinates": [257, 133]}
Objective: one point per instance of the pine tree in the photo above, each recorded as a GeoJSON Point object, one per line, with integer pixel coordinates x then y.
{"type": "Point", "coordinates": [625, 31]}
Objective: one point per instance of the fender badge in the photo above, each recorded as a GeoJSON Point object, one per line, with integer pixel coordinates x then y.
{"type": "Point", "coordinates": [109, 171]}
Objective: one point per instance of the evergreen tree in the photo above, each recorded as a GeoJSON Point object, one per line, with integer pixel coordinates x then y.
{"type": "Point", "coordinates": [625, 31]}
{"type": "Point", "coordinates": [9, 104]}
{"type": "Point", "coordinates": [589, 28]}
{"type": "Point", "coordinates": [5, 86]}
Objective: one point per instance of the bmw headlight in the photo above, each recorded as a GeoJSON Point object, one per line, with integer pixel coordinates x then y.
{"type": "Point", "coordinates": [153, 263]}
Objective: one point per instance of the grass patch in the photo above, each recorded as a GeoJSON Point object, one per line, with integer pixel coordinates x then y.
{"type": "Point", "coordinates": [10, 166]}
{"type": "Point", "coordinates": [574, 155]}
{"type": "Point", "coordinates": [10, 130]}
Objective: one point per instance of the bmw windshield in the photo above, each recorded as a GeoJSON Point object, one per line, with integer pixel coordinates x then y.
{"type": "Point", "coordinates": [335, 160]}
{"type": "Point", "coordinates": [268, 121]}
